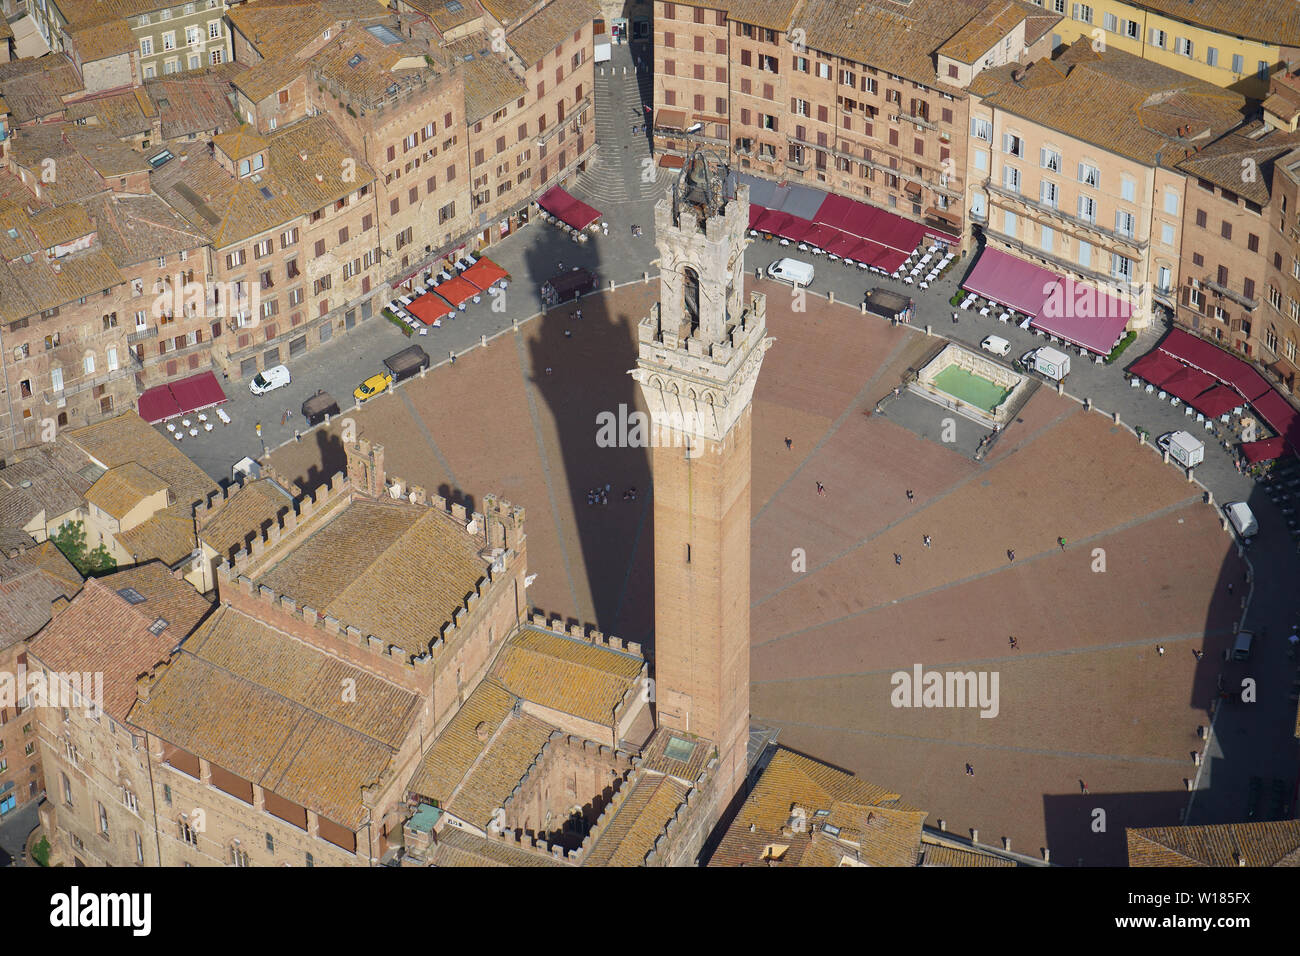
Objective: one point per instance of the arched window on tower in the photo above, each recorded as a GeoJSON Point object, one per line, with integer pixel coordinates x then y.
{"type": "Point", "coordinates": [691, 297]}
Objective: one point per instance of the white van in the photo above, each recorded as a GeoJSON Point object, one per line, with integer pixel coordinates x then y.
{"type": "Point", "coordinates": [1241, 647]}
{"type": "Point", "coordinates": [268, 381]}
{"type": "Point", "coordinates": [1242, 518]}
{"type": "Point", "coordinates": [794, 271]}
{"type": "Point", "coordinates": [996, 344]}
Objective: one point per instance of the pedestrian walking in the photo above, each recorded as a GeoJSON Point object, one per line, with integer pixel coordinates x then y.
{"type": "Point", "coordinates": [910, 496]}
{"type": "Point", "coordinates": [1011, 554]}
{"type": "Point", "coordinates": [898, 558]}
{"type": "Point", "coordinates": [579, 315]}
{"type": "Point", "coordinates": [925, 538]}
{"type": "Point", "coordinates": [1230, 589]}
{"type": "Point", "coordinates": [548, 370]}
{"type": "Point", "coordinates": [259, 429]}
{"type": "Point", "coordinates": [1083, 786]}
{"type": "Point", "coordinates": [1015, 644]}
{"type": "Point", "coordinates": [954, 318]}
{"type": "Point", "coordinates": [821, 489]}
{"type": "Point", "coordinates": [1197, 653]}
{"type": "Point", "coordinates": [788, 443]}
{"type": "Point", "coordinates": [1061, 542]}
{"type": "Point", "coordinates": [1160, 649]}
{"type": "Point", "coordinates": [568, 333]}
{"type": "Point", "coordinates": [970, 771]}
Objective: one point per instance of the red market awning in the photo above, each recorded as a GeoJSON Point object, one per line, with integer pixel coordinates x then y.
{"type": "Point", "coordinates": [890, 260]}
{"type": "Point", "coordinates": [843, 245]}
{"type": "Point", "coordinates": [485, 273]}
{"type": "Point", "coordinates": [429, 308]}
{"type": "Point", "coordinates": [580, 215]}
{"type": "Point", "coordinates": [1156, 367]}
{"type": "Point", "coordinates": [770, 220]}
{"type": "Point", "coordinates": [794, 229]}
{"type": "Point", "coordinates": [1083, 315]}
{"type": "Point", "coordinates": [821, 235]}
{"type": "Point", "coordinates": [1222, 365]}
{"type": "Point", "coordinates": [755, 213]}
{"type": "Point", "coordinates": [555, 201]}
{"type": "Point", "coordinates": [1187, 383]}
{"type": "Point", "coordinates": [158, 404]}
{"type": "Point", "coordinates": [456, 291]}
{"type": "Point", "coordinates": [1267, 450]}
{"type": "Point", "coordinates": [191, 394]}
{"type": "Point", "coordinates": [1217, 401]}
{"type": "Point", "coordinates": [1281, 417]}
{"type": "Point", "coordinates": [1010, 281]}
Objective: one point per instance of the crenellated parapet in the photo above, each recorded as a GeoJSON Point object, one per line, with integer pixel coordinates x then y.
{"type": "Point", "coordinates": [589, 635]}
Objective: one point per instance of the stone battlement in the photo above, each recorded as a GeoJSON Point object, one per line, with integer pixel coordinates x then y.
{"type": "Point", "coordinates": [560, 740]}
{"type": "Point", "coordinates": [521, 842]}
{"type": "Point", "coordinates": [581, 633]}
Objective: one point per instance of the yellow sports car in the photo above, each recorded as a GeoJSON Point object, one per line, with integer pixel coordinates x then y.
{"type": "Point", "coordinates": [372, 386]}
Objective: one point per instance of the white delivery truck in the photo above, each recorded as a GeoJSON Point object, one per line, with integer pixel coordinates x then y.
{"type": "Point", "coordinates": [1242, 518]}
{"type": "Point", "coordinates": [1183, 447]}
{"type": "Point", "coordinates": [602, 50]}
{"type": "Point", "coordinates": [1052, 363]}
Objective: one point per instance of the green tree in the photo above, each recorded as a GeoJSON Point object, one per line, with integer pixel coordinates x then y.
{"type": "Point", "coordinates": [71, 540]}
{"type": "Point", "coordinates": [41, 852]}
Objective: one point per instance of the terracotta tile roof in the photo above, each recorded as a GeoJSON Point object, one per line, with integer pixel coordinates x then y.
{"type": "Point", "coordinates": [102, 631]}
{"type": "Point", "coordinates": [874, 825]}
{"type": "Point", "coordinates": [194, 101]}
{"type": "Point", "coordinates": [13, 539]}
{"type": "Point", "coordinates": [57, 477]}
{"type": "Point", "coordinates": [103, 40]}
{"type": "Point", "coordinates": [241, 142]}
{"type": "Point", "coordinates": [1269, 21]}
{"type": "Point", "coordinates": [942, 854]}
{"type": "Point", "coordinates": [124, 487]}
{"type": "Point", "coordinates": [461, 743]}
{"type": "Point", "coordinates": [34, 88]}
{"type": "Point", "coordinates": [366, 69]}
{"type": "Point", "coordinates": [456, 847]}
{"type": "Point", "coordinates": [489, 782]}
{"type": "Point", "coordinates": [507, 12]}
{"type": "Point", "coordinates": [566, 674]}
{"type": "Point", "coordinates": [542, 32]}
{"type": "Point", "coordinates": [249, 512]}
{"type": "Point", "coordinates": [444, 14]}
{"type": "Point", "coordinates": [1274, 843]}
{"type": "Point", "coordinates": [1223, 161]}
{"type": "Point", "coordinates": [489, 82]}
{"type": "Point", "coordinates": [395, 570]}
{"type": "Point", "coordinates": [139, 229]}
{"type": "Point", "coordinates": [637, 822]}
{"type": "Point", "coordinates": [654, 757]}
{"type": "Point", "coordinates": [1115, 101]}
{"type": "Point", "coordinates": [29, 582]}
{"type": "Point", "coordinates": [769, 14]}
{"type": "Point", "coordinates": [123, 114]}
{"type": "Point", "coordinates": [892, 37]}
{"type": "Point", "coordinates": [169, 534]}
{"type": "Point", "coordinates": [987, 30]}
{"type": "Point", "coordinates": [83, 12]}
{"type": "Point", "coordinates": [27, 288]}
{"type": "Point", "coordinates": [230, 210]}
{"type": "Point", "coordinates": [267, 707]}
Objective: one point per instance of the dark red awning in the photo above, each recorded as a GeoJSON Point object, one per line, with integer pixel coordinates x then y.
{"type": "Point", "coordinates": [1156, 367]}
{"type": "Point", "coordinates": [1267, 450]}
{"type": "Point", "coordinates": [191, 394]}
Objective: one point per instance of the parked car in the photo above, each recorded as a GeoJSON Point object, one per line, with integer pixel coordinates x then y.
{"type": "Point", "coordinates": [372, 386]}
{"type": "Point", "coordinates": [794, 271]}
{"type": "Point", "coordinates": [996, 344]}
{"type": "Point", "coordinates": [269, 380]}
{"type": "Point", "coordinates": [1241, 646]}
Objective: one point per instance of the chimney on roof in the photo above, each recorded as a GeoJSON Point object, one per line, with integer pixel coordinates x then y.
{"type": "Point", "coordinates": [320, 178]}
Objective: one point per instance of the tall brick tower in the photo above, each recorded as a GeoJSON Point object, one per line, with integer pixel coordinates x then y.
{"type": "Point", "coordinates": [700, 351]}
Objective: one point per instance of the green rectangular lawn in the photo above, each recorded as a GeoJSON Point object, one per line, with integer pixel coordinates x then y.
{"type": "Point", "coordinates": [971, 389]}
